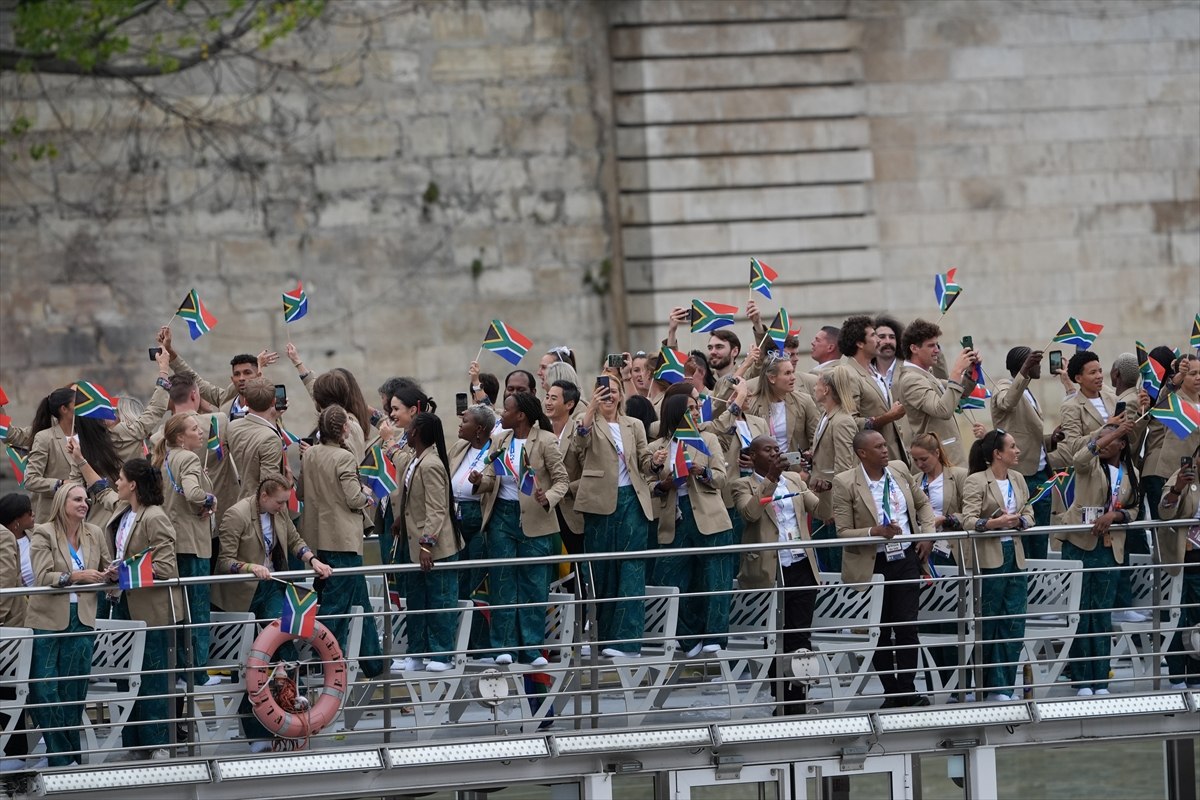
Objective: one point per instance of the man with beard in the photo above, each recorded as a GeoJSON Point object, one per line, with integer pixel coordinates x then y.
{"type": "Point", "coordinates": [244, 368]}
{"type": "Point", "coordinates": [889, 332]}
{"type": "Point", "coordinates": [877, 410]}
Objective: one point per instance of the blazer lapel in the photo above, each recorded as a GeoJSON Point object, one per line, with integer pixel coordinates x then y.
{"type": "Point", "coordinates": [994, 490]}
{"type": "Point", "coordinates": [865, 496]}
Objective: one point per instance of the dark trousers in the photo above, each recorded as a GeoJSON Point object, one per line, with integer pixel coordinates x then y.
{"type": "Point", "coordinates": [799, 598]}
{"type": "Point", "coordinates": [896, 655]}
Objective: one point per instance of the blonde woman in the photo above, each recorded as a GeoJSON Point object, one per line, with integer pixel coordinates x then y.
{"type": "Point", "coordinates": [832, 452]}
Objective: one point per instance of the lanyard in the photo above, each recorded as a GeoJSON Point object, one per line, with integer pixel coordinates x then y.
{"type": "Point", "coordinates": [479, 456]}
{"type": "Point", "coordinates": [1113, 501]}
{"type": "Point", "coordinates": [925, 484]}
{"type": "Point", "coordinates": [124, 529]}
{"type": "Point", "coordinates": [75, 556]}
{"type": "Point", "coordinates": [1011, 504]}
{"type": "Point", "coordinates": [268, 539]}
{"type": "Point", "coordinates": [887, 497]}
{"type": "Point", "coordinates": [171, 475]}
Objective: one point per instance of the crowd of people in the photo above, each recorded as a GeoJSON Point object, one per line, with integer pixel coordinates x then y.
{"type": "Point", "coordinates": [746, 445]}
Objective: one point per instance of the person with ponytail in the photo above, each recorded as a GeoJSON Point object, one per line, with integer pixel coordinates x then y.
{"type": "Point", "coordinates": [337, 387]}
{"type": "Point", "coordinates": [519, 517]}
{"type": "Point", "coordinates": [257, 536]}
{"type": "Point", "coordinates": [189, 504]}
{"type": "Point", "coordinates": [832, 452]}
{"type": "Point", "coordinates": [406, 402]}
{"type": "Point", "coordinates": [428, 527]}
{"type": "Point", "coordinates": [944, 485]}
{"type": "Point", "coordinates": [334, 502]}
{"type": "Point", "coordinates": [995, 497]}
{"type": "Point", "coordinates": [48, 467]}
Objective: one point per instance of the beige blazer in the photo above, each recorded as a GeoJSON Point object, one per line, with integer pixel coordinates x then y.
{"type": "Point", "coordinates": [543, 456]}
{"type": "Point", "coordinates": [242, 542]}
{"type": "Point", "coordinates": [154, 605]}
{"type": "Point", "coordinates": [832, 453]}
{"type": "Point", "coordinates": [129, 436]}
{"type": "Point", "coordinates": [1092, 488]}
{"type": "Point", "coordinates": [48, 466]}
{"type": "Point", "coordinates": [1012, 412]}
{"type": "Point", "coordinates": [12, 609]}
{"type": "Point", "coordinates": [982, 499]}
{"type": "Point", "coordinates": [802, 417]}
{"type": "Point", "coordinates": [954, 486]}
{"type": "Point", "coordinates": [929, 405]}
{"type": "Point", "coordinates": [426, 508]}
{"type": "Point", "coordinates": [19, 436]}
{"type": "Point", "coordinates": [256, 448]}
{"type": "Point", "coordinates": [708, 506]}
{"type": "Point", "coordinates": [871, 402]}
{"type": "Point", "coordinates": [760, 570]}
{"type": "Point", "coordinates": [571, 516]}
{"type": "Point", "coordinates": [185, 488]}
{"type": "Point", "coordinates": [1172, 542]}
{"type": "Point", "coordinates": [854, 515]}
{"type": "Point", "coordinates": [334, 500]}
{"type": "Point", "coordinates": [50, 556]}
{"type": "Point", "coordinates": [725, 427]}
{"type": "Point", "coordinates": [1080, 420]}
{"type": "Point", "coordinates": [223, 474]}
{"type": "Point", "coordinates": [596, 452]}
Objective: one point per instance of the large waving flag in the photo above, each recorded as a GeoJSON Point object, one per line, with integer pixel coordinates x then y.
{"type": "Point", "coordinates": [708, 317]}
{"type": "Point", "coordinates": [199, 319]}
{"type": "Point", "coordinates": [506, 342]}
{"type": "Point", "coordinates": [761, 278]}
{"type": "Point", "coordinates": [379, 472]}
{"type": "Point", "coordinates": [1151, 371]}
{"type": "Point", "coordinates": [670, 367]}
{"type": "Point", "coordinates": [1064, 486]}
{"type": "Point", "coordinates": [136, 572]}
{"type": "Point", "coordinates": [295, 303]}
{"type": "Point", "coordinates": [299, 617]}
{"type": "Point", "coordinates": [780, 327]}
{"type": "Point", "coordinates": [1195, 341]}
{"type": "Point", "coordinates": [945, 290]}
{"type": "Point", "coordinates": [17, 460]}
{"type": "Point", "coordinates": [1078, 332]}
{"type": "Point", "coordinates": [1179, 416]}
{"type": "Point", "coordinates": [688, 434]}
{"type": "Point", "coordinates": [92, 402]}
{"type": "Point", "coordinates": [214, 439]}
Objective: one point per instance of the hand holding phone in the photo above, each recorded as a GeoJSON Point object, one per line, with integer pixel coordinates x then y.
{"type": "Point", "coordinates": [154, 352]}
{"type": "Point", "coordinates": [1056, 362]}
{"type": "Point", "coordinates": [460, 403]}
{"type": "Point", "coordinates": [280, 397]}
{"type": "Point", "coordinates": [968, 343]}
{"type": "Point", "coordinates": [614, 361]}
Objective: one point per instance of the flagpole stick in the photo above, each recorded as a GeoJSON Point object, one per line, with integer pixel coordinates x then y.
{"type": "Point", "coordinates": [479, 354]}
{"type": "Point", "coordinates": [172, 319]}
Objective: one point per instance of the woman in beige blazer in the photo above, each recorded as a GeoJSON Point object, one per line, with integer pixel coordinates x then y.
{"type": "Point", "coordinates": [338, 387]}
{"type": "Point", "coordinates": [518, 514]}
{"type": "Point", "coordinates": [791, 416]}
{"type": "Point", "coordinates": [190, 505]}
{"type": "Point", "coordinates": [334, 501]}
{"type": "Point", "coordinates": [1107, 492]}
{"type": "Point", "coordinates": [65, 551]}
{"type": "Point", "coordinates": [944, 485]}
{"type": "Point", "coordinates": [1180, 550]}
{"type": "Point", "coordinates": [832, 452]}
{"type": "Point", "coordinates": [48, 467]}
{"type": "Point", "coordinates": [691, 513]}
{"type": "Point", "coordinates": [995, 498]}
{"type": "Point", "coordinates": [614, 498]}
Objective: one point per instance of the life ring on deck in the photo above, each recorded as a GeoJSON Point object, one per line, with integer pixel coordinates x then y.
{"type": "Point", "coordinates": [282, 722]}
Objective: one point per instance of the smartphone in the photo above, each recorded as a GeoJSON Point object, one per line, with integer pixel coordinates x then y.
{"type": "Point", "coordinates": [794, 458]}
{"type": "Point", "coordinates": [280, 397]}
{"type": "Point", "coordinates": [1056, 365]}
{"type": "Point", "coordinates": [1185, 462]}
{"type": "Point", "coordinates": [460, 403]}
{"type": "Point", "coordinates": [968, 343]}
{"type": "Point", "coordinates": [154, 351]}
{"type": "Point", "coordinates": [309, 440]}
{"type": "Point", "coordinates": [1120, 409]}
{"type": "Point", "coordinates": [602, 381]}
{"type": "Point", "coordinates": [615, 361]}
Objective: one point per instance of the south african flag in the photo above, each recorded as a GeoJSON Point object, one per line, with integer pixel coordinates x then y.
{"type": "Point", "coordinates": [295, 303]}
{"type": "Point", "coordinates": [670, 365]}
{"type": "Point", "coordinates": [199, 319]}
{"type": "Point", "coordinates": [761, 278]}
{"type": "Point", "coordinates": [1078, 332]}
{"type": "Point", "coordinates": [92, 402]}
{"type": "Point", "coordinates": [299, 617]}
{"type": "Point", "coordinates": [708, 317]}
{"type": "Point", "coordinates": [506, 342]}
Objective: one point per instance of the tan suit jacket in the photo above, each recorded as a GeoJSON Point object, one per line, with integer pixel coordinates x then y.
{"type": "Point", "coordinates": [833, 453]}
{"type": "Point", "coordinates": [929, 406]}
{"type": "Point", "coordinates": [572, 517]}
{"type": "Point", "coordinates": [154, 605]}
{"type": "Point", "coordinates": [1012, 412]}
{"type": "Point", "coordinates": [129, 436]}
{"type": "Point", "coordinates": [871, 402]}
{"type": "Point", "coordinates": [596, 452]}
{"type": "Point", "coordinates": [725, 427]}
{"type": "Point", "coordinates": [954, 487]}
{"type": "Point", "coordinates": [1080, 420]}
{"type": "Point", "coordinates": [47, 466]}
{"type": "Point", "coordinates": [854, 515]}
{"type": "Point", "coordinates": [1172, 543]}
{"type": "Point", "coordinates": [334, 500]}
{"type": "Point", "coordinates": [760, 570]}
{"type": "Point", "coordinates": [185, 488]}
{"type": "Point", "coordinates": [708, 506]}
{"type": "Point", "coordinates": [242, 543]}
{"type": "Point", "coordinates": [223, 474]}
{"type": "Point", "coordinates": [1093, 489]}
{"type": "Point", "coordinates": [1163, 460]}
{"type": "Point", "coordinates": [982, 499]}
{"type": "Point", "coordinates": [802, 416]}
{"type": "Point", "coordinates": [256, 448]}
{"type": "Point", "coordinates": [12, 609]}
{"type": "Point", "coordinates": [19, 436]}
{"type": "Point", "coordinates": [426, 508]}
{"type": "Point", "coordinates": [50, 556]}
{"type": "Point", "coordinates": [542, 455]}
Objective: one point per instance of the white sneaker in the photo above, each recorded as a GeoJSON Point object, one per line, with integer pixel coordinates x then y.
{"type": "Point", "coordinates": [487, 660]}
{"type": "Point", "coordinates": [12, 765]}
{"type": "Point", "coordinates": [999, 697]}
{"type": "Point", "coordinates": [711, 648]}
{"type": "Point", "coordinates": [161, 754]}
{"type": "Point", "coordinates": [504, 659]}
{"type": "Point", "coordinates": [436, 666]}
{"type": "Point", "coordinates": [1178, 687]}
{"type": "Point", "coordinates": [1100, 692]}
{"type": "Point", "coordinates": [585, 651]}
{"type": "Point", "coordinates": [695, 651]}
{"type": "Point", "coordinates": [406, 664]}
{"type": "Point", "coordinates": [1129, 615]}
{"type": "Point", "coordinates": [540, 661]}
{"type": "Point", "coordinates": [213, 680]}
{"type": "Point", "coordinates": [612, 652]}
{"type": "Point", "coordinates": [1086, 691]}
{"type": "Point", "coordinates": [260, 747]}
{"type": "Point", "coordinates": [128, 755]}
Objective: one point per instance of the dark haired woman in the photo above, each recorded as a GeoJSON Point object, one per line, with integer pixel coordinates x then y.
{"type": "Point", "coordinates": [430, 530]}
{"type": "Point", "coordinates": [48, 466]}
{"type": "Point", "coordinates": [518, 511]}
{"type": "Point", "coordinates": [257, 536]}
{"type": "Point", "coordinates": [996, 498]}
{"type": "Point", "coordinates": [405, 403]}
{"type": "Point", "coordinates": [1106, 493]}
{"type": "Point", "coordinates": [691, 513]}
{"type": "Point", "coordinates": [334, 502]}
{"type": "Point", "coordinates": [337, 387]}
{"type": "Point", "coordinates": [468, 454]}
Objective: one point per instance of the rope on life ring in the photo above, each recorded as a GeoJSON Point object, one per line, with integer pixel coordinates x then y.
{"type": "Point", "coordinates": [294, 722]}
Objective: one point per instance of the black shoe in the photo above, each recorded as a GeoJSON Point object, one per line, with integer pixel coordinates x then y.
{"type": "Point", "coordinates": [917, 702]}
{"type": "Point", "coordinates": [891, 702]}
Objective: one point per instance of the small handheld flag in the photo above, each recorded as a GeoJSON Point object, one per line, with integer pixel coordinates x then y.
{"type": "Point", "coordinates": [670, 367]}
{"type": "Point", "coordinates": [976, 400]}
{"type": "Point", "coordinates": [288, 437]}
{"type": "Point", "coordinates": [295, 303]}
{"type": "Point", "coordinates": [136, 572]}
{"type": "Point", "coordinates": [294, 504]}
{"type": "Point", "coordinates": [5, 424]}
{"type": "Point", "coordinates": [1078, 332]}
{"type": "Point", "coordinates": [687, 433]}
{"type": "Point", "coordinates": [1045, 488]}
{"type": "Point", "coordinates": [92, 402]}
{"type": "Point", "coordinates": [506, 342]}
{"type": "Point", "coordinates": [766, 500]}
{"type": "Point", "coordinates": [945, 290]}
{"type": "Point", "coordinates": [299, 616]}
{"type": "Point", "coordinates": [706, 408]}
{"type": "Point", "coordinates": [527, 482]}
{"type": "Point", "coordinates": [1179, 416]}
{"type": "Point", "coordinates": [708, 317]}
{"type": "Point", "coordinates": [214, 439]}
{"type": "Point", "coordinates": [1195, 341]}
{"type": "Point", "coordinates": [1152, 373]}
{"type": "Point", "coordinates": [379, 472]}
{"type": "Point", "coordinates": [17, 460]}
{"type": "Point", "coordinates": [761, 278]}
{"type": "Point", "coordinates": [680, 466]}
{"type": "Point", "coordinates": [1064, 487]}
{"type": "Point", "coordinates": [199, 319]}
{"type": "Point", "coordinates": [781, 326]}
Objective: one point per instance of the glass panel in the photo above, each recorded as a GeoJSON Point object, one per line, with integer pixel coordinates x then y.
{"type": "Point", "coordinates": [1124, 769]}
{"type": "Point", "coordinates": [731, 790]}
{"type": "Point", "coordinates": [633, 787]}
{"type": "Point", "coordinates": [862, 786]}
{"type": "Point", "coordinates": [936, 780]}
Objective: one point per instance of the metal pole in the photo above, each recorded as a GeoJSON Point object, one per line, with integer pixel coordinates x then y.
{"type": "Point", "coordinates": [981, 774]}
{"type": "Point", "coordinates": [1180, 764]}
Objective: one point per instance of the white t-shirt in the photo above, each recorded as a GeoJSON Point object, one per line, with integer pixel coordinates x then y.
{"type": "Point", "coordinates": [1098, 404]}
{"type": "Point", "coordinates": [778, 422]}
{"type": "Point", "coordinates": [937, 494]}
{"type": "Point", "coordinates": [26, 563]}
{"type": "Point", "coordinates": [1010, 501]}
{"type": "Point", "coordinates": [898, 506]}
{"type": "Point", "coordinates": [622, 465]}
{"type": "Point", "coordinates": [787, 522]}
{"type": "Point", "coordinates": [509, 489]}
{"type": "Point", "coordinates": [268, 537]}
{"type": "Point", "coordinates": [473, 460]}
{"type": "Point", "coordinates": [124, 528]}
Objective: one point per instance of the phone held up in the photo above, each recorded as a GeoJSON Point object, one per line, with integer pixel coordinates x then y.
{"type": "Point", "coordinates": [460, 403]}
{"type": "Point", "coordinates": [968, 343]}
{"type": "Point", "coordinates": [1056, 362]}
{"type": "Point", "coordinates": [280, 397]}
{"type": "Point", "coordinates": [154, 351]}
{"type": "Point", "coordinates": [615, 361]}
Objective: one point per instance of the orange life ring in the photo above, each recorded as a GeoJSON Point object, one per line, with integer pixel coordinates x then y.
{"type": "Point", "coordinates": [283, 723]}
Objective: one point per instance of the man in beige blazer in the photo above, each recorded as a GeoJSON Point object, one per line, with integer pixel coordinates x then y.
{"type": "Point", "coordinates": [254, 441]}
{"type": "Point", "coordinates": [878, 498]}
{"type": "Point", "coordinates": [930, 402]}
{"type": "Point", "coordinates": [876, 408]}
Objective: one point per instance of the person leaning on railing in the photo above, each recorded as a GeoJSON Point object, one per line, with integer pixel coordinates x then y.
{"type": "Point", "coordinates": [1181, 546]}
{"type": "Point", "coordinates": [64, 551]}
{"type": "Point", "coordinates": [1106, 494]}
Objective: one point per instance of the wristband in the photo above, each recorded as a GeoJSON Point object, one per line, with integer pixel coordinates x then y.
{"type": "Point", "coordinates": [64, 579]}
{"type": "Point", "coordinates": [304, 375]}
{"type": "Point", "coordinates": [235, 568]}
{"type": "Point", "coordinates": [980, 525]}
{"type": "Point", "coordinates": [306, 550]}
{"type": "Point", "coordinates": [870, 424]}
{"type": "Point", "coordinates": [163, 383]}
{"type": "Point", "coordinates": [476, 388]}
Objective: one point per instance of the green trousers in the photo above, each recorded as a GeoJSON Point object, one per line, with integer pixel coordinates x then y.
{"type": "Point", "coordinates": [200, 608]}
{"type": "Point", "coordinates": [432, 635]}
{"type": "Point", "coordinates": [520, 632]}
{"type": "Point", "coordinates": [1037, 544]}
{"type": "Point", "coordinates": [147, 728]}
{"type": "Point", "coordinates": [702, 620]}
{"type": "Point", "coordinates": [392, 551]}
{"type": "Point", "coordinates": [470, 522]}
{"type": "Point", "coordinates": [621, 622]}
{"type": "Point", "coordinates": [1093, 638]}
{"type": "Point", "coordinates": [66, 660]}
{"type": "Point", "coordinates": [1005, 593]}
{"type": "Point", "coordinates": [829, 559]}
{"type": "Point", "coordinates": [338, 595]}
